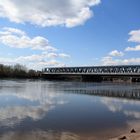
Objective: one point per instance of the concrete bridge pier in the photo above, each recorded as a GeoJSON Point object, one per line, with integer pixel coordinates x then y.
{"type": "Point", "coordinates": [128, 79]}
{"type": "Point", "coordinates": [123, 79]}
{"type": "Point", "coordinates": [63, 77]}
{"type": "Point", "coordinates": [135, 79]}
{"type": "Point", "coordinates": [91, 78]}
{"type": "Point", "coordinates": [100, 78]}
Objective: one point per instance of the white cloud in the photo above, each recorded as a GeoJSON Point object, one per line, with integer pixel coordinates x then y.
{"type": "Point", "coordinates": [8, 30]}
{"type": "Point", "coordinates": [50, 63]}
{"type": "Point", "coordinates": [116, 53]}
{"type": "Point", "coordinates": [44, 13]}
{"type": "Point", "coordinates": [54, 55]}
{"type": "Point", "coordinates": [136, 48]}
{"type": "Point", "coordinates": [41, 57]}
{"type": "Point", "coordinates": [110, 61]}
{"type": "Point", "coordinates": [16, 38]}
{"type": "Point", "coordinates": [30, 58]}
{"type": "Point", "coordinates": [63, 55]}
{"type": "Point", "coordinates": [35, 61]}
{"type": "Point", "coordinates": [134, 36]}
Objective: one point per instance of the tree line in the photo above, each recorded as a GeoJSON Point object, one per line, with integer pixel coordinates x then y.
{"type": "Point", "coordinates": [18, 71]}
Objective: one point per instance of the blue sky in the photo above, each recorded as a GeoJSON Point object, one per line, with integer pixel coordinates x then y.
{"type": "Point", "coordinates": [69, 33]}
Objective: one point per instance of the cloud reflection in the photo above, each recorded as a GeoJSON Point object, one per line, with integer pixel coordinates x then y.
{"type": "Point", "coordinates": [42, 99]}
{"type": "Point", "coordinates": [119, 105]}
{"type": "Point", "coordinates": [40, 135]}
{"type": "Point", "coordinates": [11, 115]}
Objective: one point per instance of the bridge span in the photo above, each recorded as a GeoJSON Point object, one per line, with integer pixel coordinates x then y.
{"type": "Point", "coordinates": [129, 73]}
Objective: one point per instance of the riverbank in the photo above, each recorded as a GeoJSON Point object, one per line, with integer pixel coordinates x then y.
{"type": "Point", "coordinates": [133, 135]}
{"type": "Point", "coordinates": [18, 71]}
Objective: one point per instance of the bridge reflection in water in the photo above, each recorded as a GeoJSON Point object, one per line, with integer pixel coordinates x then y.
{"type": "Point", "coordinates": [130, 73]}
{"type": "Point", "coordinates": [128, 94]}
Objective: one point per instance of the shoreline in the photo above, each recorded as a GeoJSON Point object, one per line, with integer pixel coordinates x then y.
{"type": "Point", "coordinates": [134, 135]}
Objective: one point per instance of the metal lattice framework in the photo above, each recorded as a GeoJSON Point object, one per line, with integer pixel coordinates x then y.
{"type": "Point", "coordinates": [100, 70]}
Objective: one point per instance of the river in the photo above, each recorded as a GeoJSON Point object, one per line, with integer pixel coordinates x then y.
{"type": "Point", "coordinates": [53, 110]}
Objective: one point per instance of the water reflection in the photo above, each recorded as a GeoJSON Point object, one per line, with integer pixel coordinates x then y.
{"type": "Point", "coordinates": [119, 91]}
{"type": "Point", "coordinates": [41, 110]}
{"type": "Point", "coordinates": [13, 115]}
{"type": "Point", "coordinates": [116, 105]}
{"type": "Point", "coordinates": [21, 100]}
{"type": "Point", "coordinates": [39, 135]}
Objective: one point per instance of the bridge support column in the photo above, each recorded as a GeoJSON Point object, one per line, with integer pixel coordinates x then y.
{"type": "Point", "coordinates": [91, 78]}
{"type": "Point", "coordinates": [123, 79]}
{"type": "Point", "coordinates": [63, 77]}
{"type": "Point", "coordinates": [136, 79]}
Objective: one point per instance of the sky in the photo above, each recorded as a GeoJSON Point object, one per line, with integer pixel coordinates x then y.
{"type": "Point", "coordinates": [56, 33]}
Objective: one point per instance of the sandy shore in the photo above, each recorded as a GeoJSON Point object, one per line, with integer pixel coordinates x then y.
{"type": "Point", "coordinates": [128, 136]}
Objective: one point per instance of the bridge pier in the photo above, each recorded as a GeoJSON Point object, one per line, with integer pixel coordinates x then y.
{"type": "Point", "coordinates": [91, 78]}
{"type": "Point", "coordinates": [119, 79]}
{"type": "Point", "coordinates": [62, 77]}
{"type": "Point", "coordinates": [136, 79]}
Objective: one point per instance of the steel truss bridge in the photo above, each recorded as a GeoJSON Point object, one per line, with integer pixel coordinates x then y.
{"type": "Point", "coordinates": [129, 73]}
{"type": "Point", "coordinates": [95, 70]}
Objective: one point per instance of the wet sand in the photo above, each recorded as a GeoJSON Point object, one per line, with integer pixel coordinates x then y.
{"type": "Point", "coordinates": [128, 136]}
